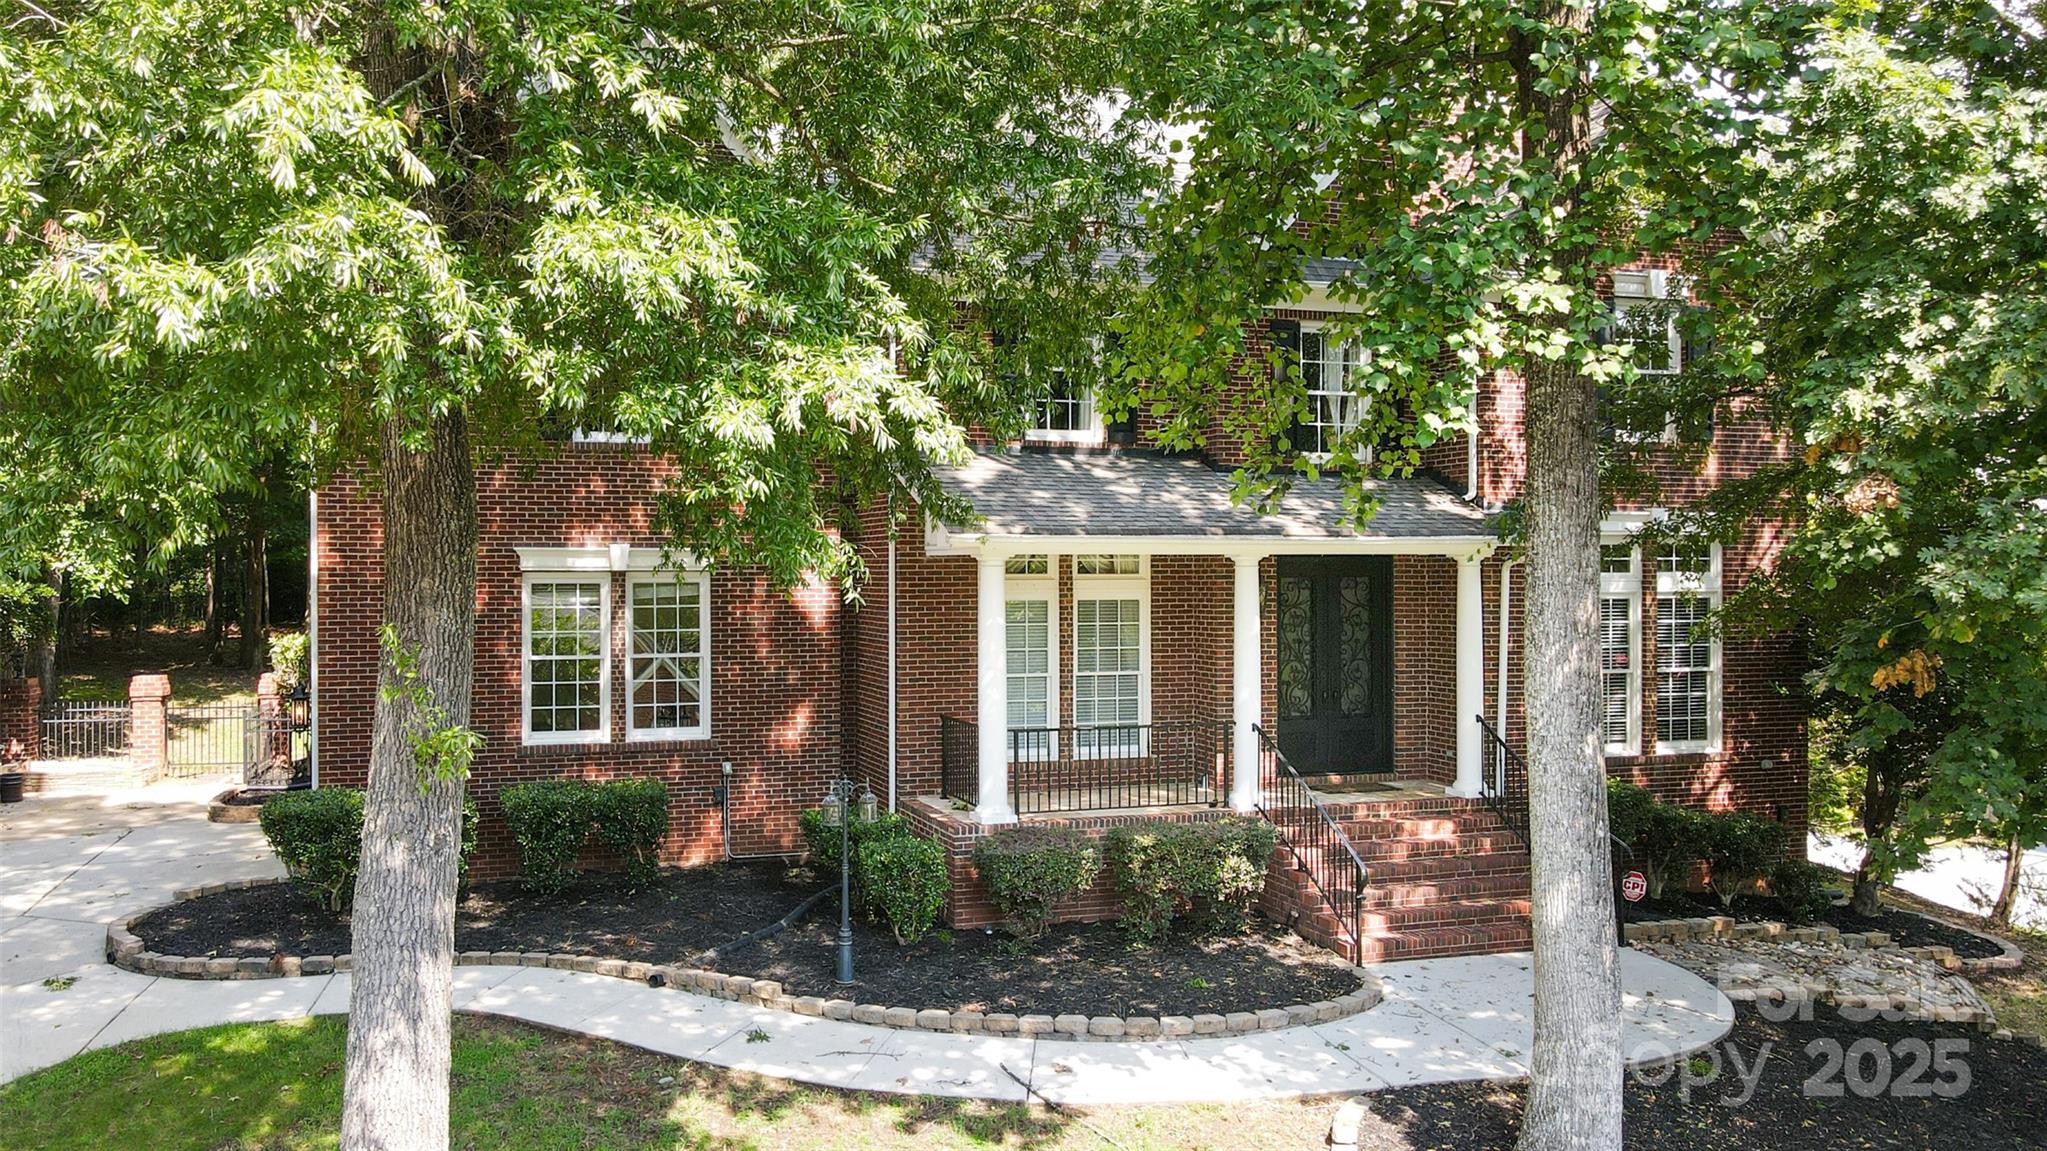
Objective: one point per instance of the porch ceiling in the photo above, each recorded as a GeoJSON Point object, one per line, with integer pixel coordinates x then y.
{"type": "Point", "coordinates": [1028, 496]}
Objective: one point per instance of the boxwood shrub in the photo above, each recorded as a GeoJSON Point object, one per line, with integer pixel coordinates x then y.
{"type": "Point", "coordinates": [631, 817]}
{"type": "Point", "coordinates": [549, 820]}
{"type": "Point", "coordinates": [1673, 836]}
{"type": "Point", "coordinates": [1208, 872]}
{"type": "Point", "coordinates": [905, 882]}
{"type": "Point", "coordinates": [1739, 849]}
{"type": "Point", "coordinates": [1030, 872]}
{"type": "Point", "coordinates": [1804, 890]}
{"type": "Point", "coordinates": [318, 836]}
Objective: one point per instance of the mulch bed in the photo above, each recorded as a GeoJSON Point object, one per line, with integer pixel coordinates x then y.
{"type": "Point", "coordinates": [1998, 1109]}
{"type": "Point", "coordinates": [1906, 928]}
{"type": "Point", "coordinates": [1089, 969]}
{"type": "Point", "coordinates": [246, 797]}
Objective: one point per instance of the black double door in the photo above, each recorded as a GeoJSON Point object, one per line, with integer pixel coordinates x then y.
{"type": "Point", "coordinates": [1335, 663]}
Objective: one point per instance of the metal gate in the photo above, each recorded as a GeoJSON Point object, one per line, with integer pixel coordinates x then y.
{"type": "Point", "coordinates": [84, 729]}
{"type": "Point", "coordinates": [210, 739]}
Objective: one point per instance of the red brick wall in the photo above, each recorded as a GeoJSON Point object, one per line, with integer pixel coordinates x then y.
{"type": "Point", "coordinates": [775, 659]}
{"type": "Point", "coordinates": [21, 725]}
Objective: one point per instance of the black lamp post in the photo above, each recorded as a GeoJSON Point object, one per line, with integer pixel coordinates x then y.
{"type": "Point", "coordinates": [839, 807]}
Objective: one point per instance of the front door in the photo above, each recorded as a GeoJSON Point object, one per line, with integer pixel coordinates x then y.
{"type": "Point", "coordinates": [1335, 663]}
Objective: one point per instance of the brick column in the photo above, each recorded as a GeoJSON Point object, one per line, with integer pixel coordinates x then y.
{"type": "Point", "coordinates": [148, 727]}
{"type": "Point", "coordinates": [21, 721]}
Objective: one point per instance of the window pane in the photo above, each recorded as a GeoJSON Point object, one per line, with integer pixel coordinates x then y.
{"type": "Point", "coordinates": [1333, 406]}
{"type": "Point", "coordinates": [1108, 660]}
{"type": "Point", "coordinates": [1029, 653]}
{"type": "Point", "coordinates": [667, 674]}
{"type": "Point", "coordinates": [1617, 558]}
{"type": "Point", "coordinates": [1616, 670]}
{"type": "Point", "coordinates": [1027, 565]}
{"type": "Point", "coordinates": [564, 656]}
{"type": "Point", "coordinates": [1105, 565]}
{"type": "Point", "coordinates": [1684, 670]}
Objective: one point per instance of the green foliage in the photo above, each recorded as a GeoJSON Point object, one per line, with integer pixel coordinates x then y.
{"type": "Point", "coordinates": [549, 819]}
{"type": "Point", "coordinates": [1804, 890]}
{"type": "Point", "coordinates": [905, 882]}
{"type": "Point", "coordinates": [290, 656]}
{"type": "Point", "coordinates": [822, 838]}
{"type": "Point", "coordinates": [1739, 849]}
{"type": "Point", "coordinates": [1837, 774]}
{"type": "Point", "coordinates": [1629, 811]}
{"type": "Point", "coordinates": [631, 817]}
{"type": "Point", "coordinates": [1030, 872]}
{"type": "Point", "coordinates": [1209, 872]}
{"type": "Point", "coordinates": [318, 836]}
{"type": "Point", "coordinates": [1672, 837]}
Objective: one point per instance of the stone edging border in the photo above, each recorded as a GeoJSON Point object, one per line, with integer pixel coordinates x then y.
{"type": "Point", "coordinates": [1707, 926]}
{"type": "Point", "coordinates": [126, 950]}
{"type": "Point", "coordinates": [219, 810]}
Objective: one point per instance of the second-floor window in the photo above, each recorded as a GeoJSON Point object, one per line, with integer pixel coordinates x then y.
{"type": "Point", "coordinates": [1329, 372]}
{"type": "Point", "coordinates": [1067, 412]}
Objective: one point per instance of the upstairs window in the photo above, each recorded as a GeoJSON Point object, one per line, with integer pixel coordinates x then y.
{"type": "Point", "coordinates": [1067, 412]}
{"type": "Point", "coordinates": [1644, 315]}
{"type": "Point", "coordinates": [1329, 372]}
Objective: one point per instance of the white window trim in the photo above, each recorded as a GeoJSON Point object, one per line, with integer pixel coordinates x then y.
{"type": "Point", "coordinates": [702, 730]}
{"type": "Point", "coordinates": [1321, 327]}
{"type": "Point", "coordinates": [1637, 287]}
{"type": "Point", "coordinates": [1095, 433]}
{"type": "Point", "coordinates": [1046, 589]}
{"type": "Point", "coordinates": [1627, 586]}
{"type": "Point", "coordinates": [602, 734]}
{"type": "Point", "coordinates": [1670, 584]}
{"type": "Point", "coordinates": [1137, 587]}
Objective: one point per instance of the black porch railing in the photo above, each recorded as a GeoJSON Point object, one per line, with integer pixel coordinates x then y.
{"type": "Point", "coordinates": [1505, 786]}
{"type": "Point", "coordinates": [1314, 838]}
{"type": "Point", "coordinates": [1106, 768]}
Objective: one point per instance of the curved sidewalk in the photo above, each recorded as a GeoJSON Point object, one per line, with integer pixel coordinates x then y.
{"type": "Point", "coordinates": [1442, 1019]}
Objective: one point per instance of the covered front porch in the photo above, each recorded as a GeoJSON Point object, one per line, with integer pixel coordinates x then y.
{"type": "Point", "coordinates": [1143, 642]}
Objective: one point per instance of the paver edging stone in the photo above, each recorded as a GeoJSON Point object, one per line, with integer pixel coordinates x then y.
{"type": "Point", "coordinates": [1680, 930]}
{"type": "Point", "coordinates": [126, 950]}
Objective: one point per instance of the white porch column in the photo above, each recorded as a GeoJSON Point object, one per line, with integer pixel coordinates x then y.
{"type": "Point", "coordinates": [1470, 677]}
{"type": "Point", "coordinates": [992, 677]}
{"type": "Point", "coordinates": [1247, 685]}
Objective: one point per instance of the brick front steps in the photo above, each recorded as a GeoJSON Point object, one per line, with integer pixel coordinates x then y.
{"type": "Point", "coordinates": [1444, 877]}
{"type": "Point", "coordinates": [124, 949]}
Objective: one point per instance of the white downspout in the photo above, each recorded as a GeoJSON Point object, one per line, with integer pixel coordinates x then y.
{"type": "Point", "coordinates": [313, 633]}
{"type": "Point", "coordinates": [892, 652]}
{"type": "Point", "coordinates": [1471, 454]}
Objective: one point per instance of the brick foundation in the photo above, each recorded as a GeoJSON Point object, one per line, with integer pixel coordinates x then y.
{"type": "Point", "coordinates": [21, 722]}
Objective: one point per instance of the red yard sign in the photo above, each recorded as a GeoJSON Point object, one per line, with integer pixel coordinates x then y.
{"type": "Point", "coordinates": [1634, 885]}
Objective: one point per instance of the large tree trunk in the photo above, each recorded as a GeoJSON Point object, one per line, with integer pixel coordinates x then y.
{"type": "Point", "coordinates": [213, 619]}
{"type": "Point", "coordinates": [396, 1094]}
{"type": "Point", "coordinates": [53, 625]}
{"type": "Point", "coordinates": [255, 585]}
{"type": "Point", "coordinates": [1574, 1092]}
{"type": "Point", "coordinates": [2008, 893]}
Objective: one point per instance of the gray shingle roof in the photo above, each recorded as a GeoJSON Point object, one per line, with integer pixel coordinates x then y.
{"type": "Point", "coordinates": [1037, 493]}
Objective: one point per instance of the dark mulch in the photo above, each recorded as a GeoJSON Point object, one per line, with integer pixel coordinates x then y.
{"type": "Point", "coordinates": [1997, 1107]}
{"type": "Point", "coordinates": [1090, 969]}
{"type": "Point", "coordinates": [1906, 928]}
{"type": "Point", "coordinates": [683, 913]}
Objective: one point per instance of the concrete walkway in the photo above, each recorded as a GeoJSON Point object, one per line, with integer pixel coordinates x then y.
{"type": "Point", "coordinates": [68, 866]}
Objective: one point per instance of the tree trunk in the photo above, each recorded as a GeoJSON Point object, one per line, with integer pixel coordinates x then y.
{"type": "Point", "coordinates": [2008, 894]}
{"type": "Point", "coordinates": [255, 586]}
{"type": "Point", "coordinates": [213, 620]}
{"type": "Point", "coordinates": [1575, 1069]}
{"type": "Point", "coordinates": [395, 1097]}
{"type": "Point", "coordinates": [52, 629]}
{"type": "Point", "coordinates": [1883, 789]}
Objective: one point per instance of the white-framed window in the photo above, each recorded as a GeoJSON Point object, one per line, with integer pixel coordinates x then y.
{"type": "Point", "coordinates": [1066, 415]}
{"type": "Point", "coordinates": [1111, 655]}
{"type": "Point", "coordinates": [1329, 371]}
{"type": "Point", "coordinates": [668, 655]}
{"type": "Point", "coordinates": [1027, 565]}
{"type": "Point", "coordinates": [1688, 671]}
{"type": "Point", "coordinates": [1030, 619]}
{"type": "Point", "coordinates": [565, 638]}
{"type": "Point", "coordinates": [1645, 315]}
{"type": "Point", "coordinates": [1620, 648]}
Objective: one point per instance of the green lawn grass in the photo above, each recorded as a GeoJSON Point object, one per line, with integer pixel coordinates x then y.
{"type": "Point", "coordinates": [277, 1087]}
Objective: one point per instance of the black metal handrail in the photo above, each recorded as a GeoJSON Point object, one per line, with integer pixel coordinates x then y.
{"type": "Point", "coordinates": [1505, 786]}
{"type": "Point", "coordinates": [1108, 767]}
{"type": "Point", "coordinates": [1314, 838]}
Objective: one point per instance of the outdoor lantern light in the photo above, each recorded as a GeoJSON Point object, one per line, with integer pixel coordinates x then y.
{"type": "Point", "coordinates": [834, 808]}
{"type": "Point", "coordinates": [870, 807]}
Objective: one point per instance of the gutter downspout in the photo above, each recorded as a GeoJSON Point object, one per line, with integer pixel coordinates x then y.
{"type": "Point", "coordinates": [891, 651]}
{"type": "Point", "coordinates": [1471, 454]}
{"type": "Point", "coordinates": [313, 633]}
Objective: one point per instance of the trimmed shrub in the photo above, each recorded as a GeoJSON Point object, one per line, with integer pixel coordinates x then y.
{"type": "Point", "coordinates": [905, 882]}
{"type": "Point", "coordinates": [467, 846]}
{"type": "Point", "coordinates": [1672, 837]}
{"type": "Point", "coordinates": [1629, 810]}
{"type": "Point", "coordinates": [1209, 872]}
{"type": "Point", "coordinates": [1804, 890]}
{"type": "Point", "coordinates": [549, 819]}
{"type": "Point", "coordinates": [290, 657]}
{"type": "Point", "coordinates": [632, 816]}
{"type": "Point", "coordinates": [1739, 849]}
{"type": "Point", "coordinates": [823, 841]}
{"type": "Point", "coordinates": [318, 835]}
{"type": "Point", "coordinates": [1030, 872]}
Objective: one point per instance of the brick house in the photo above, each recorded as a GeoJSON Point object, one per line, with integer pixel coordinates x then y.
{"type": "Point", "coordinates": [1112, 640]}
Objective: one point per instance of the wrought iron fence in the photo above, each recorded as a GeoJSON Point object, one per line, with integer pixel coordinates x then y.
{"type": "Point", "coordinates": [1104, 768]}
{"type": "Point", "coordinates": [283, 755]}
{"type": "Point", "coordinates": [1505, 786]}
{"type": "Point", "coordinates": [84, 729]}
{"type": "Point", "coordinates": [209, 739]}
{"type": "Point", "coordinates": [1314, 838]}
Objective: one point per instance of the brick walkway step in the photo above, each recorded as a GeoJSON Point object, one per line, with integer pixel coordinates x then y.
{"type": "Point", "coordinates": [1453, 912]}
{"type": "Point", "coordinates": [1435, 942]}
{"type": "Point", "coordinates": [1511, 884]}
{"type": "Point", "coordinates": [1396, 850]}
{"type": "Point", "coordinates": [1432, 868]}
{"type": "Point", "coordinates": [1439, 826]}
